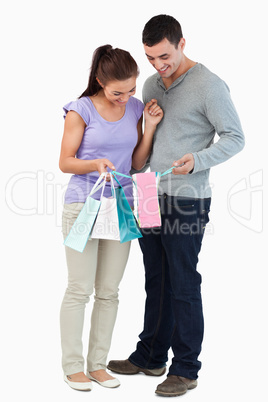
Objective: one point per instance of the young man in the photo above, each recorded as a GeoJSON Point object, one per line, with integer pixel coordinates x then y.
{"type": "Point", "coordinates": [196, 105]}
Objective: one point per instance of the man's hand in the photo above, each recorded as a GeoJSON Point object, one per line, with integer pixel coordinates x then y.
{"type": "Point", "coordinates": [185, 164]}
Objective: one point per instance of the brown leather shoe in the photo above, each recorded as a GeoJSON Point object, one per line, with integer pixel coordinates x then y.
{"type": "Point", "coordinates": [175, 385]}
{"type": "Point", "coordinates": [126, 367]}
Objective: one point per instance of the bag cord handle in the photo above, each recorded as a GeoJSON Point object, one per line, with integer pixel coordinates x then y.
{"type": "Point", "coordinates": [114, 172]}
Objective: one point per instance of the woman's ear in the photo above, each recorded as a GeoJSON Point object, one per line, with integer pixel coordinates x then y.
{"type": "Point", "coordinates": [99, 82]}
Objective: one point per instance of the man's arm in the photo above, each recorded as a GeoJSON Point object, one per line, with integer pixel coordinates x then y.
{"type": "Point", "coordinates": [221, 113]}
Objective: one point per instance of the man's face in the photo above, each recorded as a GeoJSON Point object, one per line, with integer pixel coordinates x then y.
{"type": "Point", "coordinates": [165, 58]}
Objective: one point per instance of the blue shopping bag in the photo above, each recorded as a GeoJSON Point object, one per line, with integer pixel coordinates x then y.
{"type": "Point", "coordinates": [127, 223]}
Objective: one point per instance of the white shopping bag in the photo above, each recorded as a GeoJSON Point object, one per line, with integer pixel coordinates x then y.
{"type": "Point", "coordinates": [106, 225]}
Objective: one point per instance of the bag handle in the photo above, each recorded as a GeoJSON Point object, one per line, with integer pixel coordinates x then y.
{"type": "Point", "coordinates": [104, 175]}
{"type": "Point", "coordinates": [112, 187]}
{"type": "Point", "coordinates": [118, 182]}
{"type": "Point", "coordinates": [167, 171]}
{"type": "Point", "coordinates": [114, 172]}
{"type": "Point", "coordinates": [98, 185]}
{"type": "Point", "coordinates": [102, 185]}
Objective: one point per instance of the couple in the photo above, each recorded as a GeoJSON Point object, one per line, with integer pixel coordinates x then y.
{"type": "Point", "coordinates": [185, 105]}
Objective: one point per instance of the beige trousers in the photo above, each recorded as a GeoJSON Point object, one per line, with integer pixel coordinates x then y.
{"type": "Point", "coordinates": [101, 267]}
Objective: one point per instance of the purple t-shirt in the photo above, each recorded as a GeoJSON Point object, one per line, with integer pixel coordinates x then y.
{"type": "Point", "coordinates": [104, 139]}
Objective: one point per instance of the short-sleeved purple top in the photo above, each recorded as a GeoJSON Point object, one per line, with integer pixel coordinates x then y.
{"type": "Point", "coordinates": [104, 139]}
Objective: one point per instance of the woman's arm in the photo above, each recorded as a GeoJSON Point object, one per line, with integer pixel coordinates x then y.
{"type": "Point", "coordinates": [73, 133]}
{"type": "Point", "coordinates": [153, 115]}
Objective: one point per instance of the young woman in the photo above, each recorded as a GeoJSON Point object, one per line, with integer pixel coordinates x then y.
{"type": "Point", "coordinates": [103, 130]}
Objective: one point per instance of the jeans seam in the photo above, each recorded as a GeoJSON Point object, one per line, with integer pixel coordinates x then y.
{"type": "Point", "coordinates": [160, 310]}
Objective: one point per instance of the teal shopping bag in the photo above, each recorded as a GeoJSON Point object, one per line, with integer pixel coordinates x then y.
{"type": "Point", "coordinates": [127, 223]}
{"type": "Point", "coordinates": [82, 227]}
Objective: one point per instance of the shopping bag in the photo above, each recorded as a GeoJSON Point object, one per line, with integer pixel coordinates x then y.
{"type": "Point", "coordinates": [106, 225]}
{"type": "Point", "coordinates": [127, 223]}
{"type": "Point", "coordinates": [80, 231]}
{"type": "Point", "coordinates": [148, 211]}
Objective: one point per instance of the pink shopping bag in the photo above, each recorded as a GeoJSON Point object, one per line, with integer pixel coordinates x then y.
{"type": "Point", "coordinates": [148, 212]}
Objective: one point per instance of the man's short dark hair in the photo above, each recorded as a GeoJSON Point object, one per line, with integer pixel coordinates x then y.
{"type": "Point", "coordinates": [160, 27]}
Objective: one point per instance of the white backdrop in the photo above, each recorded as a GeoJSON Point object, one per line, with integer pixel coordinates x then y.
{"type": "Point", "coordinates": [46, 53]}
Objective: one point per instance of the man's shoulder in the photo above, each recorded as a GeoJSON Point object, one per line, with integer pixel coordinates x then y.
{"type": "Point", "coordinates": [151, 80]}
{"type": "Point", "coordinates": [151, 88]}
{"type": "Point", "coordinates": [204, 75]}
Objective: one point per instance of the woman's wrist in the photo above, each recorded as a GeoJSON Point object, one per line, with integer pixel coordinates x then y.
{"type": "Point", "coordinates": [149, 128]}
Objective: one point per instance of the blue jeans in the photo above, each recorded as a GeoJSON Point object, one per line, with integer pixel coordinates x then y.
{"type": "Point", "coordinates": [173, 310]}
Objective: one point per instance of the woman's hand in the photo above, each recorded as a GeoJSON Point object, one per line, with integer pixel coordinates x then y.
{"type": "Point", "coordinates": [102, 165]}
{"type": "Point", "coordinates": [153, 113]}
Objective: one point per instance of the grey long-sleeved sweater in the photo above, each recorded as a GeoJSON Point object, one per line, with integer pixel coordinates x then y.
{"type": "Point", "coordinates": [196, 107]}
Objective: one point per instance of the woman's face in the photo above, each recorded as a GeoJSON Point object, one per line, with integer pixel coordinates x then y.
{"type": "Point", "coordinates": [119, 92]}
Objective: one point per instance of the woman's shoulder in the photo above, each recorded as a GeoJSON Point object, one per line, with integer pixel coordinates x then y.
{"type": "Point", "coordinates": [135, 101]}
{"type": "Point", "coordinates": [82, 106]}
{"type": "Point", "coordinates": [136, 105]}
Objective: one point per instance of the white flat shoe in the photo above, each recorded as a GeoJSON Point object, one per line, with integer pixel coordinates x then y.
{"type": "Point", "coordinates": [108, 384]}
{"type": "Point", "coordinates": [80, 386]}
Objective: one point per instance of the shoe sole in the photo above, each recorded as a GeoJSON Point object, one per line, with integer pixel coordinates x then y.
{"type": "Point", "coordinates": [79, 389]}
{"type": "Point", "coordinates": [176, 393]}
{"type": "Point", "coordinates": [117, 383]}
{"type": "Point", "coordinates": [144, 371]}
{"type": "Point", "coordinates": [169, 394]}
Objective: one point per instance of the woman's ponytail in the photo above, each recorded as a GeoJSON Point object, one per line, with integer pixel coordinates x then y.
{"type": "Point", "coordinates": [109, 64]}
{"type": "Point", "coordinates": [93, 85]}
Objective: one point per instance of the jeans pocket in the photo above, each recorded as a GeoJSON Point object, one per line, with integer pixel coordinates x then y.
{"type": "Point", "coordinates": [204, 219]}
{"type": "Point", "coordinates": [183, 207]}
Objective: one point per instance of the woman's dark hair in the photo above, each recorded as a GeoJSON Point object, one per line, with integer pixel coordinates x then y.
{"type": "Point", "coordinates": [160, 27]}
{"type": "Point", "coordinates": [109, 64]}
